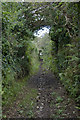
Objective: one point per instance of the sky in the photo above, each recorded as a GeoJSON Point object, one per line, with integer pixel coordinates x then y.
{"type": "Point", "coordinates": [42, 32]}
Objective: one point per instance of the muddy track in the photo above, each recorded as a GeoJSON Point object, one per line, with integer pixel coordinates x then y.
{"type": "Point", "coordinates": [50, 101]}
{"type": "Point", "coordinates": [47, 105]}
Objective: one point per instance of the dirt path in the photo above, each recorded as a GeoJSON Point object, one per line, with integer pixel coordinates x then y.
{"type": "Point", "coordinates": [44, 80]}
{"type": "Point", "coordinates": [52, 99]}
{"type": "Point", "coordinates": [43, 97]}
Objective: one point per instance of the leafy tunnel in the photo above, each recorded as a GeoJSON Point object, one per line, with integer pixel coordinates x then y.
{"type": "Point", "coordinates": [21, 49]}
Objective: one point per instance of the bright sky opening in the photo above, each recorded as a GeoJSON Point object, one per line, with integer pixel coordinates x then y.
{"type": "Point", "coordinates": [42, 32]}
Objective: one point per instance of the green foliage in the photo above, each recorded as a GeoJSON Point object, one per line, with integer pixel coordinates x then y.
{"type": "Point", "coordinates": [44, 44]}
{"type": "Point", "coordinates": [68, 68]}
{"type": "Point", "coordinates": [59, 99]}
{"type": "Point", "coordinates": [11, 91]}
{"type": "Point", "coordinates": [19, 20]}
{"type": "Point", "coordinates": [65, 48]}
{"type": "Point", "coordinates": [17, 48]}
{"type": "Point", "coordinates": [28, 102]}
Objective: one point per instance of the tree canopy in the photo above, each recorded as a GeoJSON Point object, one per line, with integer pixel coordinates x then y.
{"type": "Point", "coordinates": [20, 20]}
